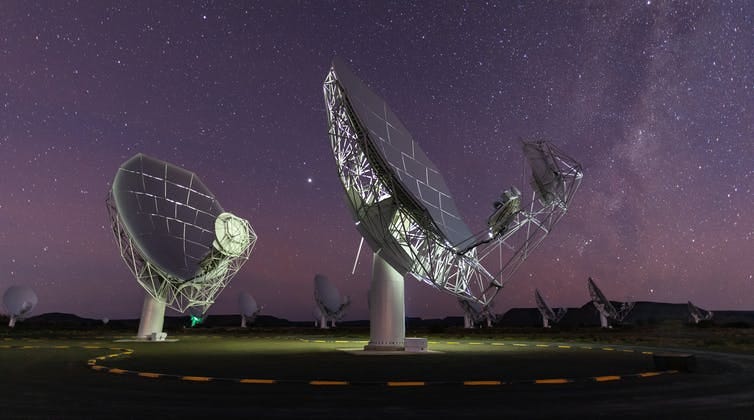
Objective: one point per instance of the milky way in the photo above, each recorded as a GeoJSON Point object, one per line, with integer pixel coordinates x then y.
{"type": "Point", "coordinates": [655, 99]}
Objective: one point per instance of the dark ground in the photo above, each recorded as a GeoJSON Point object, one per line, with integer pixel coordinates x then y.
{"type": "Point", "coordinates": [45, 382]}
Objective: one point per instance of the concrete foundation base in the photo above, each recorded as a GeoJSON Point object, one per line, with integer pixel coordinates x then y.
{"type": "Point", "coordinates": [683, 362]}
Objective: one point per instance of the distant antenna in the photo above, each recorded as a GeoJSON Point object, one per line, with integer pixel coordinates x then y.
{"type": "Point", "coordinates": [606, 309]}
{"type": "Point", "coordinates": [476, 314]}
{"type": "Point", "coordinates": [19, 301]}
{"type": "Point", "coordinates": [248, 308]}
{"type": "Point", "coordinates": [331, 305]}
{"type": "Point", "coordinates": [697, 314]}
{"type": "Point", "coordinates": [175, 238]}
{"type": "Point", "coordinates": [404, 210]}
{"type": "Point", "coordinates": [548, 315]}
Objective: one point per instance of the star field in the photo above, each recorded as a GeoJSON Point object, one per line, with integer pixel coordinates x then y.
{"type": "Point", "coordinates": [654, 98]}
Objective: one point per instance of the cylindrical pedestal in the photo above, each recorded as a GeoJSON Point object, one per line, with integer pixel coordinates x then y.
{"type": "Point", "coordinates": [12, 322]}
{"type": "Point", "coordinates": [152, 317]}
{"type": "Point", "coordinates": [323, 322]}
{"type": "Point", "coordinates": [387, 312]}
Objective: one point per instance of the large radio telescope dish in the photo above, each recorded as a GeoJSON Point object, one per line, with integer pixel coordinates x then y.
{"type": "Point", "coordinates": [332, 306]}
{"type": "Point", "coordinates": [174, 235]}
{"type": "Point", "coordinates": [19, 301]}
{"type": "Point", "coordinates": [404, 210]}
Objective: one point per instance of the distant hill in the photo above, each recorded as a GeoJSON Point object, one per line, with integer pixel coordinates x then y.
{"type": "Point", "coordinates": [643, 313]}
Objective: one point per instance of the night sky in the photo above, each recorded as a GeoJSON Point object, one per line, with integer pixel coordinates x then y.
{"type": "Point", "coordinates": [654, 98]}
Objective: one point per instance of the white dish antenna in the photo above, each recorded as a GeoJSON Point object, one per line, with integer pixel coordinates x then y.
{"type": "Point", "coordinates": [548, 314]}
{"type": "Point", "coordinates": [248, 308]}
{"type": "Point", "coordinates": [175, 237]}
{"type": "Point", "coordinates": [405, 212]}
{"type": "Point", "coordinates": [19, 301]}
{"type": "Point", "coordinates": [697, 314]}
{"type": "Point", "coordinates": [475, 313]}
{"type": "Point", "coordinates": [331, 305]}
{"type": "Point", "coordinates": [607, 311]}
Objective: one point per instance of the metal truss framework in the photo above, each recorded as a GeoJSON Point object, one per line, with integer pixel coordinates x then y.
{"type": "Point", "coordinates": [198, 292]}
{"type": "Point", "coordinates": [475, 269]}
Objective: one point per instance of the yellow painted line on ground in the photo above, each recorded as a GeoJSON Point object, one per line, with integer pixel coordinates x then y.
{"type": "Point", "coordinates": [627, 351]}
{"type": "Point", "coordinates": [606, 378]}
{"type": "Point", "coordinates": [257, 381]}
{"type": "Point", "coordinates": [433, 342]}
{"type": "Point", "coordinates": [196, 378]}
{"type": "Point", "coordinates": [328, 383]}
{"type": "Point", "coordinates": [648, 374]}
{"type": "Point", "coordinates": [551, 381]}
{"type": "Point", "coordinates": [481, 383]}
{"type": "Point", "coordinates": [586, 347]}
{"type": "Point", "coordinates": [406, 383]}
{"type": "Point", "coordinates": [5, 346]}
{"type": "Point", "coordinates": [62, 347]}
{"type": "Point", "coordinates": [29, 347]}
